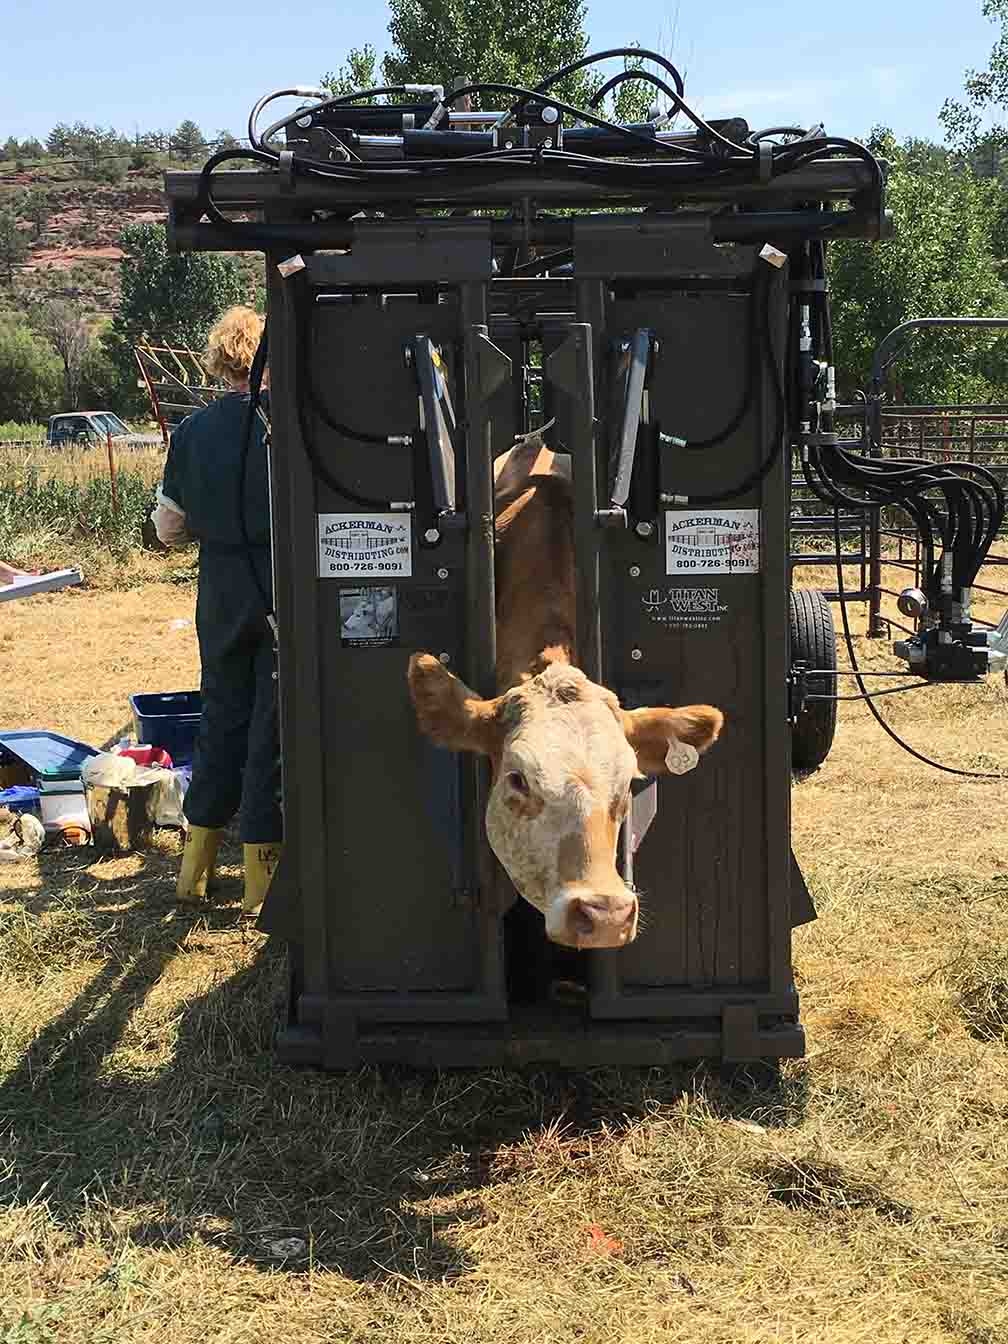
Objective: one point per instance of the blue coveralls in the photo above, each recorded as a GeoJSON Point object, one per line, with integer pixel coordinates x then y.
{"type": "Point", "coordinates": [236, 767]}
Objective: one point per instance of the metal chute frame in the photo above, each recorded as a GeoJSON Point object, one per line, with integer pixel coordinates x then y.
{"type": "Point", "coordinates": [645, 285]}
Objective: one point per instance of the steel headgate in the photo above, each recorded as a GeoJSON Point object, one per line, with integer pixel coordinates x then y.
{"type": "Point", "coordinates": [405, 355]}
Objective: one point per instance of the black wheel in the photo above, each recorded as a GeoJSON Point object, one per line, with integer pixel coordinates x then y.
{"type": "Point", "coordinates": [813, 642]}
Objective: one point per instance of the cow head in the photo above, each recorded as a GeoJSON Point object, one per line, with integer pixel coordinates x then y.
{"type": "Point", "coordinates": [563, 755]}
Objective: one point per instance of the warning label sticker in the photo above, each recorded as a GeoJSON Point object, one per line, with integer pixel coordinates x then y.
{"type": "Point", "coordinates": [365, 545]}
{"type": "Point", "coordinates": [685, 608]}
{"type": "Point", "coordinates": [715, 541]}
{"type": "Point", "coordinates": [368, 617]}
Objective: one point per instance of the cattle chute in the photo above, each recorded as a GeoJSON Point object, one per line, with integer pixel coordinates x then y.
{"type": "Point", "coordinates": [442, 280]}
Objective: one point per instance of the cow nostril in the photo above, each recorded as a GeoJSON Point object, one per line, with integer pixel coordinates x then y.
{"type": "Point", "coordinates": [582, 919]}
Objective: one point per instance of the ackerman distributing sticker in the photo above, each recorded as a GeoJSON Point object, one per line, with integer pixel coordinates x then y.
{"type": "Point", "coordinates": [714, 541]}
{"type": "Point", "coordinates": [365, 545]}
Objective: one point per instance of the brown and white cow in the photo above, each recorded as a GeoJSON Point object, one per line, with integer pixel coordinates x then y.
{"type": "Point", "coordinates": [562, 750]}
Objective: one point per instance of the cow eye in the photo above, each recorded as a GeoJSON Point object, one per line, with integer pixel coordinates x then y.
{"type": "Point", "coordinates": [518, 782]}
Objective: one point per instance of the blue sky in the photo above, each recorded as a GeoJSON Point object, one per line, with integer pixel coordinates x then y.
{"type": "Point", "coordinates": [853, 64]}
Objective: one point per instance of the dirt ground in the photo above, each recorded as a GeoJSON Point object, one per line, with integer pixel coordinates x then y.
{"type": "Point", "coordinates": [161, 1178]}
{"type": "Point", "coordinates": [72, 659]}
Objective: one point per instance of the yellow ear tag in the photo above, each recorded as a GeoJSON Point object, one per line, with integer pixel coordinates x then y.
{"type": "Point", "coordinates": [681, 757]}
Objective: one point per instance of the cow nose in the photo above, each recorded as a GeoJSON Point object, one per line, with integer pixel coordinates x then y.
{"type": "Point", "coordinates": [602, 921]}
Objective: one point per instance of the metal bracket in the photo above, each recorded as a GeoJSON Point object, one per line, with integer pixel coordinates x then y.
{"type": "Point", "coordinates": [638, 362]}
{"type": "Point", "coordinates": [439, 427]}
{"type": "Point", "coordinates": [739, 1033]}
{"type": "Point", "coordinates": [570, 371]}
{"type": "Point", "coordinates": [340, 1046]}
{"type": "Point", "coordinates": [797, 689]}
{"type": "Point", "coordinates": [286, 170]}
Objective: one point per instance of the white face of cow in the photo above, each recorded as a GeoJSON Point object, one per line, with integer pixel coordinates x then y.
{"type": "Point", "coordinates": [564, 755]}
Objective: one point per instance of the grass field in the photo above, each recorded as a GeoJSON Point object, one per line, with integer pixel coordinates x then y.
{"type": "Point", "coordinates": [58, 509]}
{"type": "Point", "coordinates": [161, 1179]}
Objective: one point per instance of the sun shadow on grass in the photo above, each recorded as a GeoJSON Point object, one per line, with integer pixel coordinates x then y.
{"type": "Point", "coordinates": [157, 1085]}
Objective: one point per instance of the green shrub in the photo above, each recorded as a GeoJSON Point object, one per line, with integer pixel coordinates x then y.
{"type": "Point", "coordinates": [34, 505]}
{"type": "Point", "coordinates": [31, 376]}
{"type": "Point", "coordinates": [21, 431]}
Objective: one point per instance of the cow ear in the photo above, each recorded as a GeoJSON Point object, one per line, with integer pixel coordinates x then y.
{"type": "Point", "coordinates": [448, 712]}
{"type": "Point", "coordinates": [670, 741]}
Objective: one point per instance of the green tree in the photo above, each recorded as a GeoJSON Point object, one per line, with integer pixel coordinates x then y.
{"type": "Point", "coordinates": [187, 141]}
{"type": "Point", "coordinates": [986, 91]}
{"type": "Point", "coordinates": [175, 298]}
{"type": "Point", "coordinates": [359, 72]}
{"type": "Point", "coordinates": [989, 157]}
{"type": "Point", "coordinates": [59, 141]}
{"type": "Point", "coordinates": [65, 328]}
{"type": "Point", "coordinates": [941, 262]}
{"type": "Point", "coordinates": [35, 207]}
{"type": "Point", "coordinates": [29, 374]}
{"type": "Point", "coordinates": [101, 380]}
{"type": "Point", "coordinates": [437, 40]}
{"type": "Point", "coordinates": [13, 244]}
{"type": "Point", "coordinates": [112, 171]}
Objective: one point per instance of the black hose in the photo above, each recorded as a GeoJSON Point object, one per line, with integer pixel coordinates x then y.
{"type": "Point", "coordinates": [625, 77]}
{"type": "Point", "coordinates": [303, 387]}
{"type": "Point", "coordinates": [303, 314]}
{"type": "Point", "coordinates": [778, 435]}
{"type": "Point", "coordinates": [865, 695]}
{"type": "Point", "coordinates": [593, 58]}
{"type": "Point", "coordinates": [533, 95]}
{"type": "Point", "coordinates": [255, 394]}
{"type": "Point", "coordinates": [752, 355]}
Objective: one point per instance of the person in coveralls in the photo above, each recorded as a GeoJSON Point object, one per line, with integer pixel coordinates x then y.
{"type": "Point", "coordinates": [236, 766]}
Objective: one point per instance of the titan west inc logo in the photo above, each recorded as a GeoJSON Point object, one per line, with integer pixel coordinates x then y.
{"type": "Point", "coordinates": [722, 542]}
{"type": "Point", "coordinates": [685, 610]}
{"type": "Point", "coordinates": [684, 602]}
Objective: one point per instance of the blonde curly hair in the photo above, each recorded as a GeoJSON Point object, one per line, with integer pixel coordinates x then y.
{"type": "Point", "coordinates": [232, 343]}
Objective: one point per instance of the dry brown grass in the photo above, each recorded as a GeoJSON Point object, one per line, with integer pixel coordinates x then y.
{"type": "Point", "coordinates": [71, 659]}
{"type": "Point", "coordinates": [163, 1179]}
{"type": "Point", "coordinates": [77, 465]}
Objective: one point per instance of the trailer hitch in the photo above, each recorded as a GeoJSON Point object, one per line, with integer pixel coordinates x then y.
{"type": "Point", "coordinates": [947, 647]}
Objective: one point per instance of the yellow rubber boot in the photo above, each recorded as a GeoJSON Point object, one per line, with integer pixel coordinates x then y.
{"type": "Point", "coordinates": [260, 865]}
{"type": "Point", "coordinates": [199, 854]}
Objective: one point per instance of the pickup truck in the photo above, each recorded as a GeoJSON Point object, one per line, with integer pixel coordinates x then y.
{"type": "Point", "coordinates": [90, 428]}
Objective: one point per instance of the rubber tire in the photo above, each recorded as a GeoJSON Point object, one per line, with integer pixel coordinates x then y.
{"type": "Point", "coordinates": [813, 642]}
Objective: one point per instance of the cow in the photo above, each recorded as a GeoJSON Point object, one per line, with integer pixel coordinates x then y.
{"type": "Point", "coordinates": [563, 752]}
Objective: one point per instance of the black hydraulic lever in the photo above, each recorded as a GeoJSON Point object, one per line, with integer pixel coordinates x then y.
{"type": "Point", "coordinates": [439, 426]}
{"type": "Point", "coordinates": [632, 472]}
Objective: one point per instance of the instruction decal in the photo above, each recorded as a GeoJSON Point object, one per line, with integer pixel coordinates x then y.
{"type": "Point", "coordinates": [685, 608]}
{"type": "Point", "coordinates": [712, 541]}
{"type": "Point", "coordinates": [369, 617]}
{"type": "Point", "coordinates": [365, 545]}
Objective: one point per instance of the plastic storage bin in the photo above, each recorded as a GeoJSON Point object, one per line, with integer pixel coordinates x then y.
{"type": "Point", "coordinates": [48, 757]}
{"type": "Point", "coordinates": [64, 804]}
{"type": "Point", "coordinates": [20, 798]}
{"type": "Point", "coordinates": [169, 720]}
